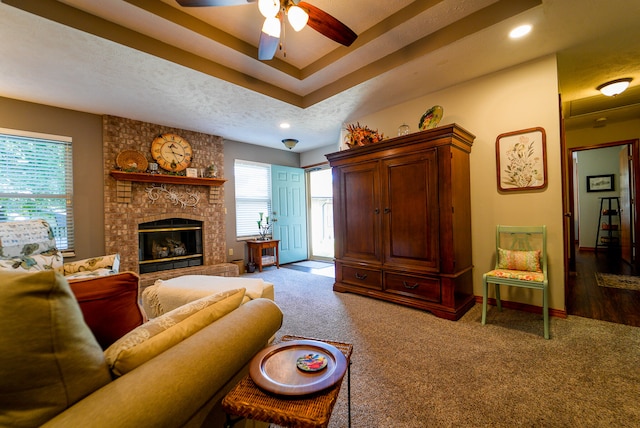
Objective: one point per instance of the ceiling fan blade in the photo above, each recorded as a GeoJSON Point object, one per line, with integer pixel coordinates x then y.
{"type": "Point", "coordinates": [328, 26]}
{"type": "Point", "coordinates": [205, 3]}
{"type": "Point", "coordinates": [267, 47]}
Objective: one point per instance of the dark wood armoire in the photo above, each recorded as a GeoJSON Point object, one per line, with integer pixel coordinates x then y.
{"type": "Point", "coordinates": [402, 220]}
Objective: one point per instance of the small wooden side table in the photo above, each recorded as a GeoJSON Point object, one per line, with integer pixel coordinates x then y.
{"type": "Point", "coordinates": [247, 400]}
{"type": "Point", "coordinates": [255, 252]}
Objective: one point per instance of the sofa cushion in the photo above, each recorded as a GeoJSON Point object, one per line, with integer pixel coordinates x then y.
{"type": "Point", "coordinates": [49, 359]}
{"type": "Point", "coordinates": [110, 305]}
{"type": "Point", "coordinates": [161, 333]}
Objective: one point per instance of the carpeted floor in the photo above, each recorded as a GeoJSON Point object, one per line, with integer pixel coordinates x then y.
{"type": "Point", "coordinates": [412, 369]}
{"type": "Point", "coordinates": [618, 281]}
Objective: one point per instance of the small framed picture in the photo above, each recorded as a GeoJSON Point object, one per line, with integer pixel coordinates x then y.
{"type": "Point", "coordinates": [192, 172]}
{"type": "Point", "coordinates": [600, 183]}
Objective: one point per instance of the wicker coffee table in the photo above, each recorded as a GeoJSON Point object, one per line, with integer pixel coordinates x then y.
{"type": "Point", "coordinates": [247, 401]}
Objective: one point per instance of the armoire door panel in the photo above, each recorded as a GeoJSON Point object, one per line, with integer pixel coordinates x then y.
{"type": "Point", "coordinates": [410, 209]}
{"type": "Point", "coordinates": [361, 216]}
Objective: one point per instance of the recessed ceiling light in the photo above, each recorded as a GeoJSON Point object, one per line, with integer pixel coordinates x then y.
{"type": "Point", "coordinates": [520, 31]}
{"type": "Point", "coordinates": [285, 125]}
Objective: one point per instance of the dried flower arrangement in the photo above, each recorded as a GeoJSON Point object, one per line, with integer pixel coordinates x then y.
{"type": "Point", "coordinates": [358, 135]}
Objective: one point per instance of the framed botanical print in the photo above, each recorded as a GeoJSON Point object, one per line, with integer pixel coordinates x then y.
{"type": "Point", "coordinates": [521, 160]}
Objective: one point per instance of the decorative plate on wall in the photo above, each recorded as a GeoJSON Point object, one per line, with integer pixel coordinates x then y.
{"type": "Point", "coordinates": [131, 160]}
{"type": "Point", "coordinates": [431, 118]}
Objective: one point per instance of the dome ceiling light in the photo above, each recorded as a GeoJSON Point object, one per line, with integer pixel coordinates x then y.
{"type": "Point", "coordinates": [289, 143]}
{"type": "Point", "coordinates": [615, 87]}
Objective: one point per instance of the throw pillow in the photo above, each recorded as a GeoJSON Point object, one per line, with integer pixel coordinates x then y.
{"type": "Point", "coordinates": [519, 260]}
{"type": "Point", "coordinates": [165, 331]}
{"type": "Point", "coordinates": [110, 305]}
{"type": "Point", "coordinates": [100, 265]}
{"type": "Point", "coordinates": [48, 357]}
{"type": "Point", "coordinates": [28, 246]}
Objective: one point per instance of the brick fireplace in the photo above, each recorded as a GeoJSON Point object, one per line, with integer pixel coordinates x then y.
{"type": "Point", "coordinates": [121, 219]}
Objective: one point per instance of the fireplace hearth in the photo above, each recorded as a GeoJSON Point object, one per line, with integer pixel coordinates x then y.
{"type": "Point", "coordinates": [167, 244]}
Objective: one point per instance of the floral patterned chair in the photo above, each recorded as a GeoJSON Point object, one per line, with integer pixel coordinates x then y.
{"type": "Point", "coordinates": [30, 246]}
{"type": "Point", "coordinates": [521, 261]}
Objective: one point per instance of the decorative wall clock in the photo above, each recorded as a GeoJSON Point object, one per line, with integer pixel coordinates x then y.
{"type": "Point", "coordinates": [171, 152]}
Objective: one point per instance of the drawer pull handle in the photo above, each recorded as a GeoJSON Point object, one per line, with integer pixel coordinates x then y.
{"type": "Point", "coordinates": [410, 287]}
{"type": "Point", "coordinates": [358, 276]}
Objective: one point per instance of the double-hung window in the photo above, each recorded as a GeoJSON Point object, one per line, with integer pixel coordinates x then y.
{"type": "Point", "coordinates": [253, 195]}
{"type": "Point", "coordinates": [36, 181]}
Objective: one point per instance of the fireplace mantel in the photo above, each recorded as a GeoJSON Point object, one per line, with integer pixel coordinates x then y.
{"type": "Point", "coordinates": [168, 179]}
{"type": "Point", "coordinates": [124, 180]}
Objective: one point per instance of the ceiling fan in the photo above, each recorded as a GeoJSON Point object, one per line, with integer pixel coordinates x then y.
{"type": "Point", "coordinates": [299, 14]}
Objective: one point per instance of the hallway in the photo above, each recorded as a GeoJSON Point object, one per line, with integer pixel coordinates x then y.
{"type": "Point", "coordinates": [587, 299]}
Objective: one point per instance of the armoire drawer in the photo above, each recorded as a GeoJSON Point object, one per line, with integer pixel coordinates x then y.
{"type": "Point", "coordinates": [361, 277]}
{"type": "Point", "coordinates": [415, 286]}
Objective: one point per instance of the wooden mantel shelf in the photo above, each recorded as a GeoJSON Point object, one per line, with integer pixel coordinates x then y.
{"type": "Point", "coordinates": [169, 179]}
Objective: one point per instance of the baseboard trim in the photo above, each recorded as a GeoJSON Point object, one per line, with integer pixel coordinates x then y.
{"type": "Point", "coordinates": [524, 307]}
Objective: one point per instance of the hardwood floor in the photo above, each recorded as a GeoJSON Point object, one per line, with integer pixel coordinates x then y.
{"type": "Point", "coordinates": [589, 300]}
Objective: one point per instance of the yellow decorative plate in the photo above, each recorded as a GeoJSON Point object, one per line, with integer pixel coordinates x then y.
{"type": "Point", "coordinates": [431, 118]}
{"type": "Point", "coordinates": [131, 160]}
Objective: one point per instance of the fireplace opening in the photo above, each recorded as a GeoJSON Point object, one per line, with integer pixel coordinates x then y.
{"type": "Point", "coordinates": [169, 244]}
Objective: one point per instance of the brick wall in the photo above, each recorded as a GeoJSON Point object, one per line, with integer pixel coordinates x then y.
{"type": "Point", "coordinates": [122, 219]}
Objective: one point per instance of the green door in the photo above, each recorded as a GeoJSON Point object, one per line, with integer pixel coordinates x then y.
{"type": "Point", "coordinates": [289, 208]}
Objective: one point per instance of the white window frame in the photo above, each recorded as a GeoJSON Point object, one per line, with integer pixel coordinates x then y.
{"type": "Point", "coordinates": [27, 199]}
{"type": "Point", "coordinates": [253, 196]}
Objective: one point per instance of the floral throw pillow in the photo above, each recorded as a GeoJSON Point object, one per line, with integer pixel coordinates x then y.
{"type": "Point", "coordinates": [28, 246]}
{"type": "Point", "coordinates": [519, 260]}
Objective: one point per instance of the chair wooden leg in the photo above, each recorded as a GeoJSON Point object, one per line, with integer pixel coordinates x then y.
{"type": "Point", "coordinates": [545, 311]}
{"type": "Point", "coordinates": [498, 303]}
{"type": "Point", "coordinates": [484, 301]}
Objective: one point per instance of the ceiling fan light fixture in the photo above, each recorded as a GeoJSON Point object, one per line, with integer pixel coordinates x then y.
{"type": "Point", "coordinates": [269, 8]}
{"type": "Point", "coordinates": [298, 17]}
{"type": "Point", "coordinates": [289, 143]}
{"type": "Point", "coordinates": [271, 27]}
{"type": "Point", "coordinates": [615, 87]}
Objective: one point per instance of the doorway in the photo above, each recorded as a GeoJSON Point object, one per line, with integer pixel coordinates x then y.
{"type": "Point", "coordinates": [320, 209]}
{"type": "Point", "coordinates": [584, 297]}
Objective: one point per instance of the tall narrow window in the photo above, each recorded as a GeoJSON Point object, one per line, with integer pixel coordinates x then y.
{"type": "Point", "coordinates": [253, 195]}
{"type": "Point", "coordinates": [36, 181]}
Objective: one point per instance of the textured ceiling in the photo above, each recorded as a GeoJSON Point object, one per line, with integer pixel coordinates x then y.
{"type": "Point", "coordinates": [196, 68]}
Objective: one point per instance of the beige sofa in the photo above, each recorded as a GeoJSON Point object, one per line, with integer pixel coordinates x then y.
{"type": "Point", "coordinates": [55, 374]}
{"type": "Point", "coordinates": [184, 385]}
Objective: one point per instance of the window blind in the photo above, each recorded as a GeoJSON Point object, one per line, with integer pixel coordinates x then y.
{"type": "Point", "coordinates": [253, 195]}
{"type": "Point", "coordinates": [36, 181]}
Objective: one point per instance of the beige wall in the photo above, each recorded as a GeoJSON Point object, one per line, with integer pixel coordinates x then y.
{"type": "Point", "coordinates": [86, 131]}
{"type": "Point", "coordinates": [518, 98]}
